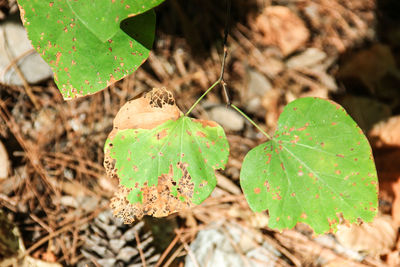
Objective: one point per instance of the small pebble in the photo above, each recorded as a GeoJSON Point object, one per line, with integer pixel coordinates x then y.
{"type": "Point", "coordinates": [33, 67]}
{"type": "Point", "coordinates": [228, 118]}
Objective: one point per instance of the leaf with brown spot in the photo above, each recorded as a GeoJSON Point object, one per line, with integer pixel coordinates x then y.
{"type": "Point", "coordinates": [90, 44]}
{"type": "Point", "coordinates": [335, 182]}
{"type": "Point", "coordinates": [162, 167]}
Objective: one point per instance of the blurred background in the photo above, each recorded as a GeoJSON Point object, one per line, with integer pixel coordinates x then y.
{"type": "Point", "coordinates": [54, 194]}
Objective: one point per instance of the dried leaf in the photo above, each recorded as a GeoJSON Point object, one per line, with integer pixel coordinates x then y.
{"type": "Point", "coordinates": [370, 66]}
{"type": "Point", "coordinates": [385, 138]}
{"type": "Point", "coordinates": [157, 200]}
{"type": "Point", "coordinates": [165, 162]}
{"type": "Point", "coordinates": [386, 133]}
{"type": "Point", "coordinates": [376, 238]}
{"type": "Point", "coordinates": [281, 27]}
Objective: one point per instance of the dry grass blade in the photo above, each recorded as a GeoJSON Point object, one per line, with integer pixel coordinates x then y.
{"type": "Point", "coordinates": [173, 256]}
{"type": "Point", "coordinates": [167, 251]}
{"type": "Point", "coordinates": [30, 151]}
{"type": "Point", "coordinates": [139, 246]}
{"type": "Point", "coordinates": [62, 230]}
{"type": "Point", "coordinates": [13, 62]}
{"type": "Point", "coordinates": [59, 167]}
{"type": "Point", "coordinates": [187, 248]}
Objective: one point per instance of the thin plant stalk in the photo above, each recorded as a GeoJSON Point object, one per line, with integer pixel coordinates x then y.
{"type": "Point", "coordinates": [251, 121]}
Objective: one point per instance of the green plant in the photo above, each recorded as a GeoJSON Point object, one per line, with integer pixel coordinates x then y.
{"type": "Point", "coordinates": [317, 168]}
{"type": "Point", "coordinates": [317, 164]}
{"type": "Point", "coordinates": [90, 44]}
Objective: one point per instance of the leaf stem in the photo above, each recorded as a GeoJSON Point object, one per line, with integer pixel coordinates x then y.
{"type": "Point", "coordinates": [221, 76]}
{"type": "Point", "coordinates": [201, 97]}
{"type": "Point", "coordinates": [251, 121]}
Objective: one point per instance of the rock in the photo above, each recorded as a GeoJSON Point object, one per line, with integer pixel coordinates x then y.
{"type": "Point", "coordinates": [213, 247]}
{"type": "Point", "coordinates": [16, 44]}
{"type": "Point", "coordinates": [329, 241]}
{"type": "Point", "coordinates": [309, 58]}
{"type": "Point", "coordinates": [260, 256]}
{"type": "Point", "coordinates": [254, 106]}
{"type": "Point", "coordinates": [213, 243]}
{"type": "Point", "coordinates": [4, 162]}
{"type": "Point", "coordinates": [227, 118]}
{"type": "Point", "coordinates": [258, 85]}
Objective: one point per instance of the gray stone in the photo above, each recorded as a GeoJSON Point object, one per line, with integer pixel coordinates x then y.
{"type": "Point", "coordinates": [258, 84]}
{"type": "Point", "coordinates": [228, 118]}
{"type": "Point", "coordinates": [261, 257]}
{"type": "Point", "coordinates": [213, 247]}
{"type": "Point", "coordinates": [14, 42]}
{"type": "Point", "coordinates": [254, 105]}
{"type": "Point", "coordinates": [309, 58]}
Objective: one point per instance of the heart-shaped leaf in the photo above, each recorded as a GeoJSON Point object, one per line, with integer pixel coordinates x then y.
{"type": "Point", "coordinates": [181, 154]}
{"type": "Point", "coordinates": [318, 165]}
{"type": "Point", "coordinates": [74, 40]}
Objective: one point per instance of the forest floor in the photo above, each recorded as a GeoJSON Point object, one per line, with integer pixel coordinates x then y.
{"type": "Point", "coordinates": [56, 193]}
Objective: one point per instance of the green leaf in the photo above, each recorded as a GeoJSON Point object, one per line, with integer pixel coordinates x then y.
{"type": "Point", "coordinates": [318, 165]}
{"type": "Point", "coordinates": [102, 17]}
{"type": "Point", "coordinates": [90, 44]}
{"type": "Point", "coordinates": [142, 156]}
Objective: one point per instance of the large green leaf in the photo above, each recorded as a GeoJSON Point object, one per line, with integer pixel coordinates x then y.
{"type": "Point", "coordinates": [318, 165]}
{"type": "Point", "coordinates": [142, 156]}
{"type": "Point", "coordinates": [90, 44]}
{"type": "Point", "coordinates": [102, 17]}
